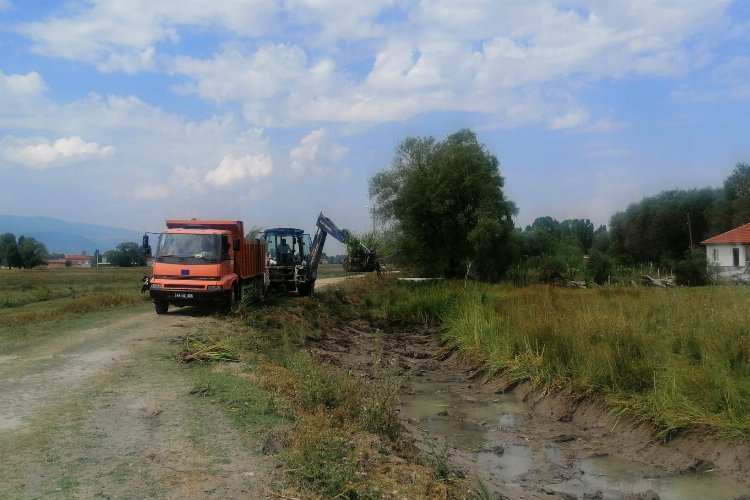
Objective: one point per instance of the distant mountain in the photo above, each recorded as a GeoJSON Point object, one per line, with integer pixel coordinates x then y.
{"type": "Point", "coordinates": [67, 237]}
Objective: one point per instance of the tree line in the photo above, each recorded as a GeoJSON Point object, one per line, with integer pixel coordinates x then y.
{"type": "Point", "coordinates": [445, 214]}
{"type": "Point", "coordinates": [444, 211]}
{"type": "Point", "coordinates": [26, 253]}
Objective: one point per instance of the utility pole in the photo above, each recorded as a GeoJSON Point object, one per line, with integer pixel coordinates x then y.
{"type": "Point", "coordinates": [690, 231]}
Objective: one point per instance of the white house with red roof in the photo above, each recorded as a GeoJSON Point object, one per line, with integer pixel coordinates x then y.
{"type": "Point", "coordinates": [730, 249]}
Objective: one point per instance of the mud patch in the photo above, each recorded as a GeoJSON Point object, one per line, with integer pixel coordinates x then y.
{"type": "Point", "coordinates": [560, 447]}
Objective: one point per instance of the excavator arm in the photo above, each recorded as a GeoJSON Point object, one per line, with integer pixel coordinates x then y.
{"type": "Point", "coordinates": [358, 259]}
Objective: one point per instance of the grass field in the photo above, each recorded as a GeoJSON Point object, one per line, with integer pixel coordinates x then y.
{"type": "Point", "coordinates": [331, 271]}
{"type": "Point", "coordinates": [677, 359]}
{"type": "Point", "coordinates": [30, 296]}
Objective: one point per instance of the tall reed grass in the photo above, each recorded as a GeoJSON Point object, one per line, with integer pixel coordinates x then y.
{"type": "Point", "coordinates": [678, 359]}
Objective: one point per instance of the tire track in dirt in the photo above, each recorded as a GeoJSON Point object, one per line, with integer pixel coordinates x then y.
{"type": "Point", "coordinates": [60, 365]}
{"type": "Point", "coordinates": [104, 411]}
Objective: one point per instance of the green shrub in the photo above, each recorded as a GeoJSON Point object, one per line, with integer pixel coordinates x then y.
{"type": "Point", "coordinates": [693, 270]}
{"type": "Point", "coordinates": [601, 267]}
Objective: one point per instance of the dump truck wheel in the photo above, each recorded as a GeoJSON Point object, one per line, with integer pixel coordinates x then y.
{"type": "Point", "coordinates": [233, 298]}
{"type": "Point", "coordinates": [161, 307]}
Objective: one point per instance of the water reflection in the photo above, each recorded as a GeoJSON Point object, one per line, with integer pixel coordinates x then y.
{"type": "Point", "coordinates": [614, 477]}
{"type": "Point", "coordinates": [467, 422]}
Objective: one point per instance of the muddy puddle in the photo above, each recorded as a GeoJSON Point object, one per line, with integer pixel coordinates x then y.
{"type": "Point", "coordinates": [490, 431]}
{"type": "Point", "coordinates": [550, 450]}
{"type": "Point", "coordinates": [615, 477]}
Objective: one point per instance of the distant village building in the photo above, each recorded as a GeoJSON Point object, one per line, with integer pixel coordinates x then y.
{"type": "Point", "coordinates": [70, 261]}
{"type": "Point", "coordinates": [55, 263]}
{"type": "Point", "coordinates": [78, 260]}
{"type": "Point", "coordinates": [730, 250]}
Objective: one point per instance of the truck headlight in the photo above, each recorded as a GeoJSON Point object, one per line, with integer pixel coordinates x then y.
{"type": "Point", "coordinates": [214, 288]}
{"type": "Point", "coordinates": [154, 286]}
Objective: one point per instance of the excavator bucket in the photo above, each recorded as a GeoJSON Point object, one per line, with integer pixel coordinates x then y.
{"type": "Point", "coordinates": [361, 262]}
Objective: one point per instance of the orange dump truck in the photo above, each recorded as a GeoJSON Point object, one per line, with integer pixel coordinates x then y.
{"type": "Point", "coordinates": [206, 262]}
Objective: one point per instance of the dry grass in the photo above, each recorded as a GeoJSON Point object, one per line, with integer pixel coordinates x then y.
{"type": "Point", "coordinates": [343, 437]}
{"type": "Point", "coordinates": [28, 297]}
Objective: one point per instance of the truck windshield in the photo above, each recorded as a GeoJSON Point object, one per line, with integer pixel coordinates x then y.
{"type": "Point", "coordinates": [184, 248]}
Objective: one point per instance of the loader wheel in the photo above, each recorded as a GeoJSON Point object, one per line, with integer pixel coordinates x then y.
{"type": "Point", "coordinates": [306, 290]}
{"type": "Point", "coordinates": [161, 307]}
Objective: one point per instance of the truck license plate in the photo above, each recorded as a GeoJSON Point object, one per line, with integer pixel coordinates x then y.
{"type": "Point", "coordinates": [183, 296]}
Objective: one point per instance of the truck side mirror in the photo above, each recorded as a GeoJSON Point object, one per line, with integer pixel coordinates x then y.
{"type": "Point", "coordinates": [146, 247]}
{"type": "Point", "coordinates": [236, 244]}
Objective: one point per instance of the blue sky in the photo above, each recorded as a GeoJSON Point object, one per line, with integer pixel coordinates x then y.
{"type": "Point", "coordinates": [127, 113]}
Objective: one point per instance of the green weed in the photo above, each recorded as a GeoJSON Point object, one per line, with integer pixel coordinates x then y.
{"type": "Point", "coordinates": [325, 459]}
{"type": "Point", "coordinates": [437, 459]}
{"type": "Point", "coordinates": [250, 407]}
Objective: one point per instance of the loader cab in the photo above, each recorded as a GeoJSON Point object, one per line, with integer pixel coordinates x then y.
{"type": "Point", "coordinates": [287, 246]}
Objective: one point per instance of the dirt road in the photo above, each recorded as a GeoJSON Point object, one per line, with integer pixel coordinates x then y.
{"type": "Point", "coordinates": [95, 408]}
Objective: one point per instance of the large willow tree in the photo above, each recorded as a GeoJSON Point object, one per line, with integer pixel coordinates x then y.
{"type": "Point", "coordinates": [445, 201]}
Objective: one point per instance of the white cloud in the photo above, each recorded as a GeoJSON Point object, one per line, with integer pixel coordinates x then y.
{"type": "Point", "coordinates": [340, 19]}
{"type": "Point", "coordinates": [94, 31]}
{"type": "Point", "coordinates": [315, 153]}
{"type": "Point", "coordinates": [231, 169]}
{"type": "Point", "coordinates": [16, 85]}
{"type": "Point", "coordinates": [187, 178]}
{"type": "Point", "coordinates": [42, 153]}
{"type": "Point", "coordinates": [150, 192]}
{"type": "Point", "coordinates": [389, 60]}
{"type": "Point", "coordinates": [130, 62]}
{"type": "Point", "coordinates": [569, 120]}
{"type": "Point", "coordinates": [524, 61]}
{"type": "Point", "coordinates": [231, 75]}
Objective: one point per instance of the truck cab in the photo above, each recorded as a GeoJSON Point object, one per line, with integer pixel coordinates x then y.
{"type": "Point", "coordinates": [200, 262]}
